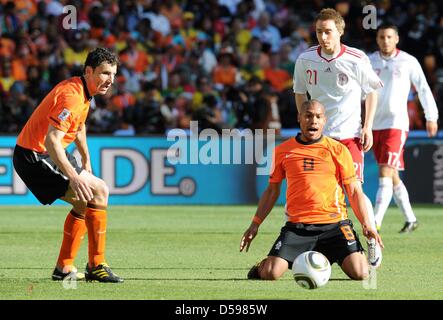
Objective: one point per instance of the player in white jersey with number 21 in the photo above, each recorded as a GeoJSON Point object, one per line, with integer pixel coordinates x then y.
{"type": "Point", "coordinates": [397, 69]}
{"type": "Point", "coordinates": [338, 76]}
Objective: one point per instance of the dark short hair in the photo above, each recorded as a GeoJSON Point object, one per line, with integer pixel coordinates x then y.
{"type": "Point", "coordinates": [100, 55]}
{"type": "Point", "coordinates": [388, 25]}
{"type": "Point", "coordinates": [306, 104]}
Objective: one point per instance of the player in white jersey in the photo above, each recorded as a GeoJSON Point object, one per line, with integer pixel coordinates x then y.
{"type": "Point", "coordinates": [397, 69]}
{"type": "Point", "coordinates": [337, 76]}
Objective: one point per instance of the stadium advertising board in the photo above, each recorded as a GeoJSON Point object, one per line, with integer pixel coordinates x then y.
{"type": "Point", "coordinates": [141, 170]}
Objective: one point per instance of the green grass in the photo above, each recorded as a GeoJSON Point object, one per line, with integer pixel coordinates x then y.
{"type": "Point", "coordinates": [191, 252]}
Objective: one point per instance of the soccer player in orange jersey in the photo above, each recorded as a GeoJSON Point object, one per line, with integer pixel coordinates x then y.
{"type": "Point", "coordinates": [51, 173]}
{"type": "Point", "coordinates": [318, 171]}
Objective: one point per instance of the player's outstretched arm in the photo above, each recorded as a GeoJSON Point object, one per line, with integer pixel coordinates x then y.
{"type": "Point", "coordinates": [358, 205]}
{"type": "Point", "coordinates": [265, 205]}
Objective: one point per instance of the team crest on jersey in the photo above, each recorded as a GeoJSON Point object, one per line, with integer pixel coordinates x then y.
{"type": "Point", "coordinates": [64, 114]}
{"type": "Point", "coordinates": [342, 79]}
{"type": "Point", "coordinates": [396, 72]}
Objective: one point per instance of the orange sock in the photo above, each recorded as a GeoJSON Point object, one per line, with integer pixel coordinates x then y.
{"type": "Point", "coordinates": [95, 218]}
{"type": "Point", "coordinates": [74, 231]}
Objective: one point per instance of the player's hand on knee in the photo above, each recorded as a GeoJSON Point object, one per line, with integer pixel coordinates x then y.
{"type": "Point", "coordinates": [81, 188]}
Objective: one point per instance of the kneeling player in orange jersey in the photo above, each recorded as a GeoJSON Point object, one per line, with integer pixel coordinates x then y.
{"type": "Point", "coordinates": [319, 171]}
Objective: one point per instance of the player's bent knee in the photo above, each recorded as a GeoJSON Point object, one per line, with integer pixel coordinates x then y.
{"type": "Point", "coordinates": [270, 274]}
{"type": "Point", "coordinates": [273, 268]}
{"type": "Point", "coordinates": [101, 191]}
{"type": "Point", "coordinates": [356, 266]}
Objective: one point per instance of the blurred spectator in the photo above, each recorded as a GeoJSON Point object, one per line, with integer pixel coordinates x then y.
{"type": "Point", "coordinates": [146, 115]}
{"type": "Point", "coordinates": [225, 73]}
{"type": "Point", "coordinates": [6, 78]}
{"type": "Point", "coordinates": [253, 67]}
{"type": "Point", "coordinates": [159, 22]}
{"type": "Point", "coordinates": [172, 11]}
{"type": "Point", "coordinates": [286, 63]}
{"type": "Point", "coordinates": [209, 115]}
{"type": "Point", "coordinates": [9, 20]}
{"type": "Point", "coordinates": [279, 78]}
{"type": "Point", "coordinates": [266, 32]}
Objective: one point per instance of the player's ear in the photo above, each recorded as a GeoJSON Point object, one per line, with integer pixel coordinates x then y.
{"type": "Point", "coordinates": [88, 70]}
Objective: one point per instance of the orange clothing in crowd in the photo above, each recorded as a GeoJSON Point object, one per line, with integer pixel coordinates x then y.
{"type": "Point", "coordinates": [137, 59]}
{"type": "Point", "coordinates": [315, 173]}
{"type": "Point", "coordinates": [123, 100]}
{"type": "Point", "coordinates": [278, 78]}
{"type": "Point", "coordinates": [7, 47]}
{"type": "Point", "coordinates": [225, 75]}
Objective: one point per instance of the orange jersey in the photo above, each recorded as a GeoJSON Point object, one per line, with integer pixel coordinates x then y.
{"type": "Point", "coordinates": [315, 174]}
{"type": "Point", "coordinates": [65, 108]}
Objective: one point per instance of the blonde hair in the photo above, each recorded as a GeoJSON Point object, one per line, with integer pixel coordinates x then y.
{"type": "Point", "coordinates": [332, 14]}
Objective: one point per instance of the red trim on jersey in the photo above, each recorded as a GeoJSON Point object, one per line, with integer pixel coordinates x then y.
{"type": "Point", "coordinates": [397, 52]}
{"type": "Point", "coordinates": [342, 50]}
{"type": "Point", "coordinates": [353, 54]}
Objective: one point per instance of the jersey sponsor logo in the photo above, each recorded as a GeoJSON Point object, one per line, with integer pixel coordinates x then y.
{"type": "Point", "coordinates": [342, 79]}
{"type": "Point", "coordinates": [328, 69]}
{"type": "Point", "coordinates": [350, 243]}
{"type": "Point", "coordinates": [64, 114]}
{"type": "Point", "coordinates": [277, 245]}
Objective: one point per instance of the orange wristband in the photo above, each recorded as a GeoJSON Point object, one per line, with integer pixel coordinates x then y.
{"type": "Point", "coordinates": [257, 220]}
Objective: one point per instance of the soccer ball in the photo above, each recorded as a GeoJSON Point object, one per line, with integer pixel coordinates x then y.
{"type": "Point", "coordinates": [311, 270]}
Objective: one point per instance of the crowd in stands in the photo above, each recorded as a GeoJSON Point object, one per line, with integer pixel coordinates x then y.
{"type": "Point", "coordinates": [225, 63]}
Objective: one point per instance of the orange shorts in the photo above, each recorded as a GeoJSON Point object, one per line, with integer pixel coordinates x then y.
{"type": "Point", "coordinates": [389, 147]}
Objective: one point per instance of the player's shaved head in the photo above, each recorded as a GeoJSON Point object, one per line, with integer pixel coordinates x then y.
{"type": "Point", "coordinates": [314, 103]}
{"type": "Point", "coordinates": [312, 119]}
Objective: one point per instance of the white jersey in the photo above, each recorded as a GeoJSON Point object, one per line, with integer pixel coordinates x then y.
{"type": "Point", "coordinates": [397, 74]}
{"type": "Point", "coordinates": [338, 83]}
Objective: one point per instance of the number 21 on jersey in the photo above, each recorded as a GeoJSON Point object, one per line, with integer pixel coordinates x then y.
{"type": "Point", "coordinates": [312, 76]}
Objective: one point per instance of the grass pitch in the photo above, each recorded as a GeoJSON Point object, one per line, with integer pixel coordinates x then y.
{"type": "Point", "coordinates": [192, 252]}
